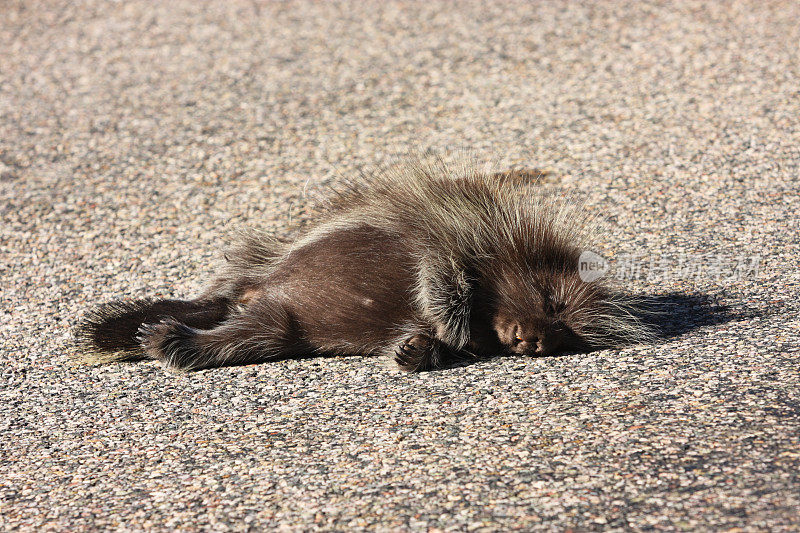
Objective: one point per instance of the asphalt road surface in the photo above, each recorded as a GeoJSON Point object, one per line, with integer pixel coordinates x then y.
{"type": "Point", "coordinates": [134, 136]}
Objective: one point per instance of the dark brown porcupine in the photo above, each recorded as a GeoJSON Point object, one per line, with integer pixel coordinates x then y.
{"type": "Point", "coordinates": [424, 262]}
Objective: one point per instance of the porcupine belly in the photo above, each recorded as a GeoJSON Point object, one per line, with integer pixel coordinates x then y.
{"type": "Point", "coordinates": [349, 291]}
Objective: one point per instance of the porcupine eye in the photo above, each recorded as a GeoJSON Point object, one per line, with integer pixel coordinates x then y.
{"type": "Point", "coordinates": [552, 308]}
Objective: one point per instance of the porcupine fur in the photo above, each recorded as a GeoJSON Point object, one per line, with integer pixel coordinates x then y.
{"type": "Point", "coordinates": [425, 262]}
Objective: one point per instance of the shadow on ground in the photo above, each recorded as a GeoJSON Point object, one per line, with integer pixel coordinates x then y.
{"type": "Point", "coordinates": [675, 314]}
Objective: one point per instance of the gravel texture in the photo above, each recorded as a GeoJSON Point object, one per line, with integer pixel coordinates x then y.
{"type": "Point", "coordinates": [135, 135]}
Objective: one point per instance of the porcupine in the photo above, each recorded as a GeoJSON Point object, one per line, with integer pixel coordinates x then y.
{"type": "Point", "coordinates": [424, 262]}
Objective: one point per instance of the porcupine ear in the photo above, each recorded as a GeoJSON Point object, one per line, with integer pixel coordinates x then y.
{"type": "Point", "coordinates": [444, 294]}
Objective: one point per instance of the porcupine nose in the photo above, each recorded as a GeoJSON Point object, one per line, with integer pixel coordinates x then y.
{"type": "Point", "coordinates": [538, 344]}
{"type": "Point", "coordinates": [545, 344]}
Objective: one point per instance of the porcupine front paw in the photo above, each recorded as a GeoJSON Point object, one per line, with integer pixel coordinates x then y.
{"type": "Point", "coordinates": [422, 352]}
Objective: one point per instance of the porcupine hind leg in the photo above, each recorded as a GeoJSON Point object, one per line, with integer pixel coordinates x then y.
{"type": "Point", "coordinates": [263, 331]}
{"type": "Point", "coordinates": [108, 333]}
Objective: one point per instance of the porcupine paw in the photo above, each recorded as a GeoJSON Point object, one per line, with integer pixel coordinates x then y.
{"type": "Point", "coordinates": [416, 353]}
{"type": "Point", "coordinates": [169, 341]}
